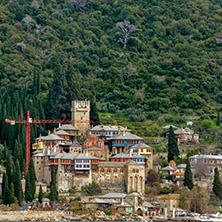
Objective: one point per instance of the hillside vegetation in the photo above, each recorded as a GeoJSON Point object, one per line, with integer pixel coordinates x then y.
{"type": "Point", "coordinates": [136, 58]}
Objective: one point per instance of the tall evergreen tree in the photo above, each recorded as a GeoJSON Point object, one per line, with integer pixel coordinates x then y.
{"type": "Point", "coordinates": [73, 86]}
{"type": "Point", "coordinates": [173, 150]}
{"type": "Point", "coordinates": [217, 184]}
{"type": "Point", "coordinates": [32, 176]}
{"type": "Point", "coordinates": [8, 168]}
{"type": "Point", "coordinates": [218, 119]}
{"type": "Point", "coordinates": [18, 183]}
{"type": "Point", "coordinates": [12, 194]}
{"type": "Point", "coordinates": [53, 189]}
{"type": "Point", "coordinates": [40, 194]}
{"type": "Point", "coordinates": [28, 188]}
{"type": "Point", "coordinates": [188, 178]}
{"type": "Point", "coordinates": [56, 106]}
{"type": "Point", "coordinates": [6, 191]}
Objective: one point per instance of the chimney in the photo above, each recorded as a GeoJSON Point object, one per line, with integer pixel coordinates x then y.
{"type": "Point", "coordinates": [59, 126]}
{"type": "Point", "coordinates": [49, 132]}
{"type": "Point", "coordinates": [118, 129]}
{"type": "Point", "coordinates": [124, 133]}
{"type": "Point", "coordinates": [140, 143]}
{"type": "Point", "coordinates": [40, 137]}
{"type": "Point", "coordinates": [54, 130]}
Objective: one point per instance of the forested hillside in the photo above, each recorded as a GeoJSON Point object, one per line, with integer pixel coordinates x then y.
{"type": "Point", "coordinates": [127, 56]}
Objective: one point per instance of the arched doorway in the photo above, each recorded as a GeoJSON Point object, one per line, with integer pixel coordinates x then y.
{"type": "Point", "coordinates": [139, 212]}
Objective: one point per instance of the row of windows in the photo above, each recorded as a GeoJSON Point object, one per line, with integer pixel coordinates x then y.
{"type": "Point", "coordinates": [128, 141]}
{"type": "Point", "coordinates": [119, 141]}
{"type": "Point", "coordinates": [106, 133]}
{"type": "Point", "coordinates": [119, 160]}
{"type": "Point", "coordinates": [38, 157]}
{"type": "Point", "coordinates": [110, 170]}
{"type": "Point", "coordinates": [38, 162]}
{"type": "Point", "coordinates": [133, 141]}
{"type": "Point", "coordinates": [82, 166]}
{"type": "Point", "coordinates": [82, 161]}
{"type": "Point", "coordinates": [146, 150]}
{"type": "Point", "coordinates": [139, 160]}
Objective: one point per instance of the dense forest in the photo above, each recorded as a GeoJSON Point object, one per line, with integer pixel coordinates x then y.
{"type": "Point", "coordinates": [134, 57]}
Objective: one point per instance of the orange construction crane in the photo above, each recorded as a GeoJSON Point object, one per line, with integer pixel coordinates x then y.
{"type": "Point", "coordinates": [28, 122]}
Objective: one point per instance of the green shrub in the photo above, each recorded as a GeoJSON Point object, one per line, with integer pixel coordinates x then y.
{"type": "Point", "coordinates": [107, 212]}
{"type": "Point", "coordinates": [165, 190]}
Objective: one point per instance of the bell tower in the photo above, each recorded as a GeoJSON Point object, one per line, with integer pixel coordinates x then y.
{"type": "Point", "coordinates": [81, 116]}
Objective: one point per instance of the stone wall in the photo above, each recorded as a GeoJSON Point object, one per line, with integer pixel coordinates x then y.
{"type": "Point", "coordinates": [82, 180]}
{"type": "Point", "coordinates": [110, 177]}
{"type": "Point", "coordinates": [42, 169]}
{"type": "Point", "coordinates": [65, 180]}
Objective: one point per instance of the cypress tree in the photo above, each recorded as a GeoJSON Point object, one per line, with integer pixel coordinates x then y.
{"type": "Point", "coordinates": [23, 166]}
{"type": "Point", "coordinates": [56, 106]}
{"type": "Point", "coordinates": [28, 188]}
{"type": "Point", "coordinates": [12, 194]}
{"type": "Point", "coordinates": [53, 190]}
{"type": "Point", "coordinates": [40, 194]}
{"type": "Point", "coordinates": [217, 184]}
{"type": "Point", "coordinates": [32, 176]}
{"type": "Point", "coordinates": [18, 183]}
{"type": "Point", "coordinates": [188, 180]}
{"type": "Point", "coordinates": [6, 191]}
{"type": "Point", "coordinates": [173, 150]}
{"type": "Point", "coordinates": [5, 153]}
{"type": "Point", "coordinates": [218, 119]}
{"type": "Point", "coordinates": [8, 168]}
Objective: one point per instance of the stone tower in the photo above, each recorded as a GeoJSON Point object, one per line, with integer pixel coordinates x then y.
{"type": "Point", "coordinates": [81, 116]}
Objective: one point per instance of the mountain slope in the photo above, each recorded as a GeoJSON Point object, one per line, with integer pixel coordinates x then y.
{"type": "Point", "coordinates": [176, 62]}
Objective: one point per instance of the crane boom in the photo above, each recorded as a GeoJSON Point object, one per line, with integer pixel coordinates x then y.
{"type": "Point", "coordinates": [28, 122]}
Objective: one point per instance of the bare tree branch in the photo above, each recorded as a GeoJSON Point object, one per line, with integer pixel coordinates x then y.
{"type": "Point", "coordinates": [126, 32]}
